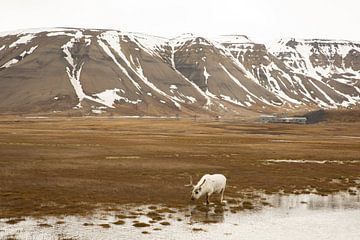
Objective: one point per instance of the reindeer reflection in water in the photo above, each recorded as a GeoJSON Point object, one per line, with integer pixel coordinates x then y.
{"type": "Point", "coordinates": [208, 185]}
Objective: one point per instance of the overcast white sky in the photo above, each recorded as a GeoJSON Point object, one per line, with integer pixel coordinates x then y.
{"type": "Point", "coordinates": [261, 20]}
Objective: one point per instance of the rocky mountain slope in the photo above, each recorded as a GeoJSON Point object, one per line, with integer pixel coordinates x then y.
{"type": "Point", "coordinates": [90, 71]}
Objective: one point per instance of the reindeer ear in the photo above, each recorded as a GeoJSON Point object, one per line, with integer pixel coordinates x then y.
{"type": "Point", "coordinates": [202, 183]}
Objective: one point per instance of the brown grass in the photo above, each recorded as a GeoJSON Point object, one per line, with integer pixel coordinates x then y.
{"type": "Point", "coordinates": [68, 166]}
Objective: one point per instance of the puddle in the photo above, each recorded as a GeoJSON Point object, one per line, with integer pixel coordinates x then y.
{"type": "Point", "coordinates": [282, 141]}
{"type": "Point", "coordinates": [302, 216]}
{"type": "Point", "coordinates": [310, 161]}
{"type": "Point", "coordinates": [121, 157]}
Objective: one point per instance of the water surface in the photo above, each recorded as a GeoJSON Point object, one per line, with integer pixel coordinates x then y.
{"type": "Point", "coordinates": [303, 216]}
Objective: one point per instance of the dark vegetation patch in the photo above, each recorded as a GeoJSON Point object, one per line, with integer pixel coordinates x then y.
{"type": "Point", "coordinates": [122, 216]}
{"type": "Point", "coordinates": [141, 225]}
{"type": "Point", "coordinates": [15, 220]}
{"type": "Point", "coordinates": [119, 222]}
{"type": "Point", "coordinates": [208, 221]}
{"type": "Point", "coordinates": [165, 223]}
{"type": "Point", "coordinates": [155, 216]}
{"type": "Point", "coordinates": [198, 230]}
{"type": "Point", "coordinates": [45, 225]}
{"type": "Point", "coordinates": [104, 225]}
{"type": "Point", "coordinates": [247, 205]}
{"type": "Point", "coordinates": [11, 237]}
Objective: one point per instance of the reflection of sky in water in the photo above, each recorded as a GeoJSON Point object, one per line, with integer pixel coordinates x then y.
{"type": "Point", "coordinates": [296, 217]}
{"type": "Point", "coordinates": [341, 200]}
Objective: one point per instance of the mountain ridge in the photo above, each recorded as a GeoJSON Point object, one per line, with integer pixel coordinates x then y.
{"type": "Point", "coordinates": [94, 71]}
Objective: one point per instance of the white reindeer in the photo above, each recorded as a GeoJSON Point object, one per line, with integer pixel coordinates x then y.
{"type": "Point", "coordinates": [208, 184]}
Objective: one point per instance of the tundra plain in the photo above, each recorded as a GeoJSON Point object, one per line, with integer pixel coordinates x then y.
{"type": "Point", "coordinates": [66, 166]}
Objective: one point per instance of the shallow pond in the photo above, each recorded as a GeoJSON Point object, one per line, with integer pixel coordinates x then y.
{"type": "Point", "coordinates": [303, 216]}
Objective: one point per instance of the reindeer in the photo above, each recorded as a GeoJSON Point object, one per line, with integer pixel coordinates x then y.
{"type": "Point", "coordinates": [208, 184]}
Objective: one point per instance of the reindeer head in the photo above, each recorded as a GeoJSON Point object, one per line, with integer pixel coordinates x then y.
{"type": "Point", "coordinates": [197, 191]}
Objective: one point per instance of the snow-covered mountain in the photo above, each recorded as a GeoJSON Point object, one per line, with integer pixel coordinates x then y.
{"type": "Point", "coordinates": [106, 71]}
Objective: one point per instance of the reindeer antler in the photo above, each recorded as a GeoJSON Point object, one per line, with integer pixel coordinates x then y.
{"type": "Point", "coordinates": [191, 183]}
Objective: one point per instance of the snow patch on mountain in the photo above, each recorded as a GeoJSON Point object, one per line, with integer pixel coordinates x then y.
{"type": "Point", "coordinates": [19, 58]}
{"type": "Point", "coordinates": [232, 39]}
{"type": "Point", "coordinates": [150, 44]}
{"type": "Point", "coordinates": [206, 75]}
{"type": "Point", "coordinates": [22, 40]}
{"type": "Point", "coordinates": [110, 96]}
{"type": "Point", "coordinates": [112, 38]}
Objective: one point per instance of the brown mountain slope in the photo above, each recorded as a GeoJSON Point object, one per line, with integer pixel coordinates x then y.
{"type": "Point", "coordinates": [90, 71]}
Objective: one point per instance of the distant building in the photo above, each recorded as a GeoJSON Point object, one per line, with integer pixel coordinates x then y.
{"type": "Point", "coordinates": [275, 119]}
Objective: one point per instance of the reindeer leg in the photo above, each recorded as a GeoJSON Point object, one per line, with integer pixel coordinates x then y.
{"type": "Point", "coordinates": [208, 195]}
{"type": "Point", "coordinates": [222, 196]}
